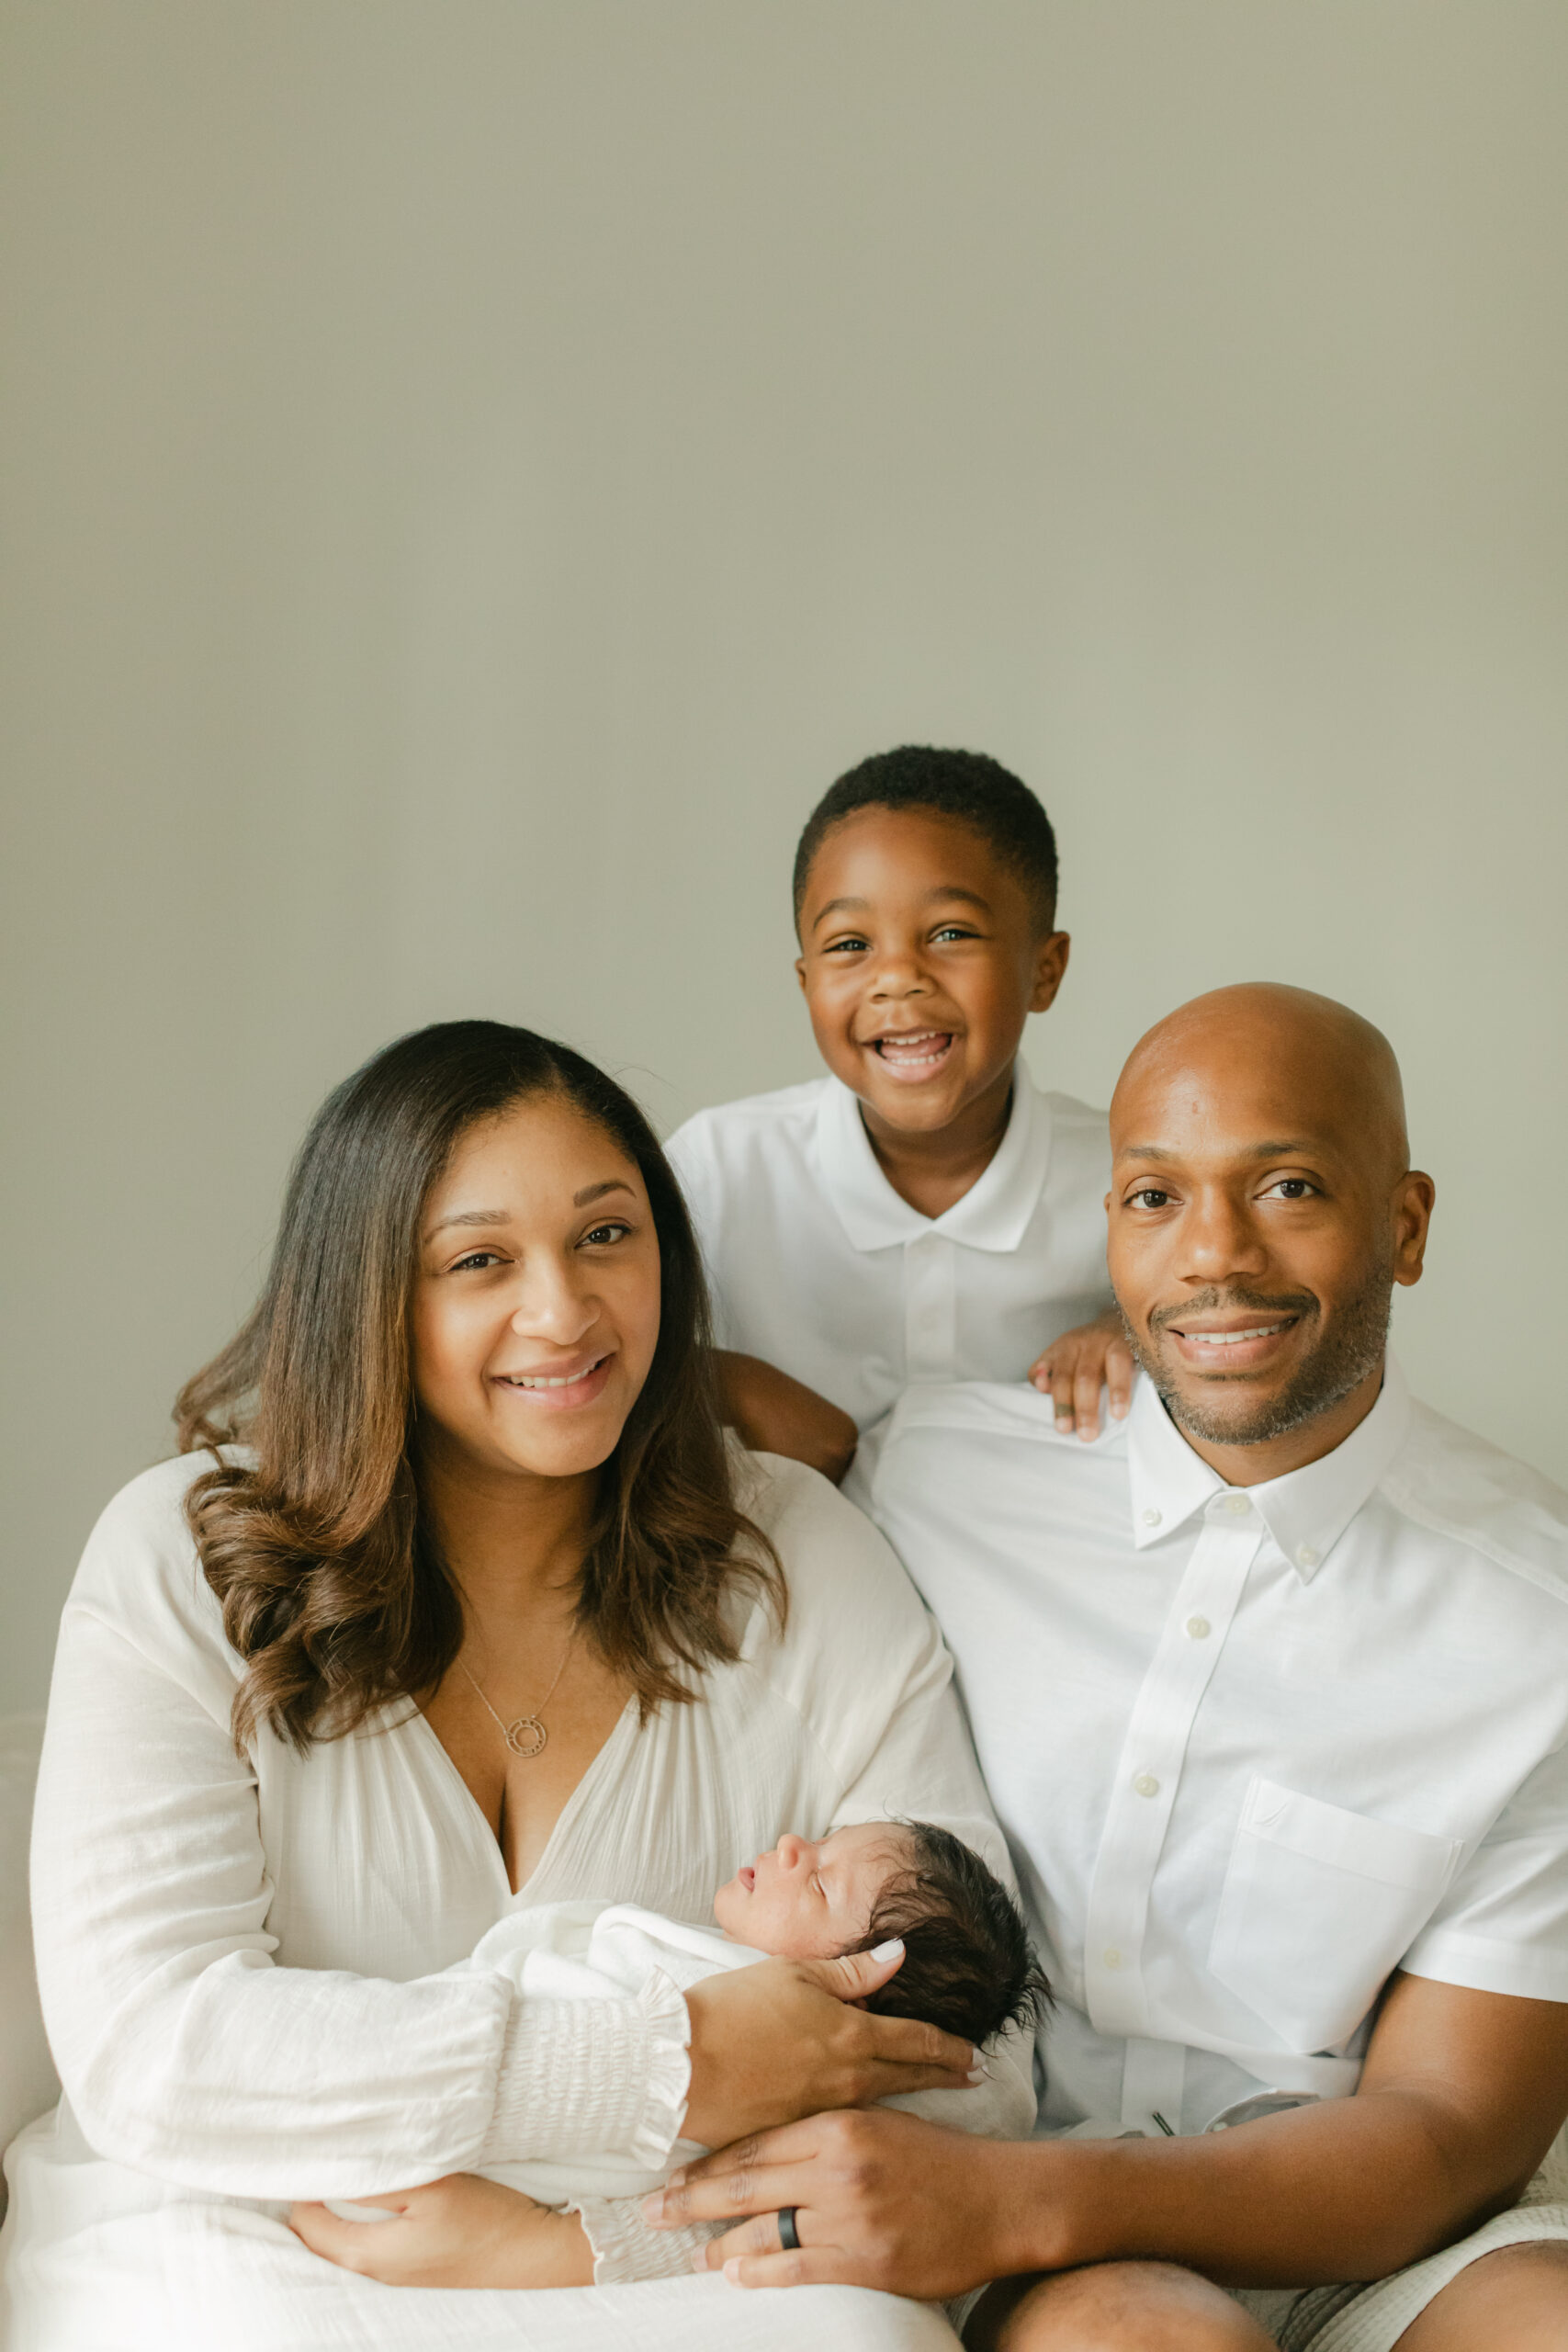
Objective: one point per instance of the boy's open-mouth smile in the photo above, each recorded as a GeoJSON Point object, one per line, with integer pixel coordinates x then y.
{"type": "Point", "coordinates": [912, 1053]}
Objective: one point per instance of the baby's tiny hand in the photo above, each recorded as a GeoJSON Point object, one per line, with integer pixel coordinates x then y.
{"type": "Point", "coordinates": [1076, 1366]}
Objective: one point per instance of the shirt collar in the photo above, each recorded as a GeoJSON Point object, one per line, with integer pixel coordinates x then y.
{"type": "Point", "coordinates": [992, 1215]}
{"type": "Point", "coordinates": [1306, 1512]}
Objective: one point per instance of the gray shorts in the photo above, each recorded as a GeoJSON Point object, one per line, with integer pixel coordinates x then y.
{"type": "Point", "coordinates": [1373, 2318]}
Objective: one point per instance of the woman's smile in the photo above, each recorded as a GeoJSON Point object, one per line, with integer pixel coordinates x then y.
{"type": "Point", "coordinates": [580, 1384]}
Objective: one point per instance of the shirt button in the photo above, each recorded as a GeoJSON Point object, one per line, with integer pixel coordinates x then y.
{"type": "Point", "coordinates": [1308, 1558]}
{"type": "Point", "coordinates": [1146, 1785]}
{"type": "Point", "coordinates": [1112, 1958]}
{"type": "Point", "coordinates": [1151, 1517]}
{"type": "Point", "coordinates": [1237, 1505]}
{"type": "Point", "coordinates": [1198, 1629]}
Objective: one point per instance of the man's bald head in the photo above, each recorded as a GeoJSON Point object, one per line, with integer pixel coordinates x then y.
{"type": "Point", "coordinates": [1326, 1064]}
{"type": "Point", "coordinates": [1262, 1208]}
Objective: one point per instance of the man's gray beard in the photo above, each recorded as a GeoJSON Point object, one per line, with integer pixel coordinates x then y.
{"type": "Point", "coordinates": [1352, 1348]}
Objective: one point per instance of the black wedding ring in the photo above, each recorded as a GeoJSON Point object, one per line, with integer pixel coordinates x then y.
{"type": "Point", "coordinates": [789, 2237]}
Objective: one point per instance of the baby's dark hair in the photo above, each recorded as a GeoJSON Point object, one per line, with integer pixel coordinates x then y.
{"type": "Point", "coordinates": [965, 785]}
{"type": "Point", "coordinates": [968, 1964]}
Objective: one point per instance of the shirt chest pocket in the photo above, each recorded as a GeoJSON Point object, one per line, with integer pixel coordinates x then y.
{"type": "Point", "coordinates": [1318, 1906]}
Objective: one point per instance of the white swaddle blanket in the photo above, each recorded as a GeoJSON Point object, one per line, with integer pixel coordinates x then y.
{"type": "Point", "coordinates": [590, 1952]}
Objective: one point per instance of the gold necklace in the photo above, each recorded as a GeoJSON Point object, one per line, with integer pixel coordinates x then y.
{"type": "Point", "coordinates": [525, 1735]}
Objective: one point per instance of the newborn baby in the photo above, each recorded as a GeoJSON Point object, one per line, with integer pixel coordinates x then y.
{"type": "Point", "coordinates": [967, 1967]}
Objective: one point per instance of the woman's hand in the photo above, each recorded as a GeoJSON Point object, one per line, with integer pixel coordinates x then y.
{"type": "Point", "coordinates": [772, 1413]}
{"type": "Point", "coordinates": [460, 2231]}
{"type": "Point", "coordinates": [1075, 1368]}
{"type": "Point", "coordinates": [779, 2040]}
{"type": "Point", "coordinates": [880, 2200]}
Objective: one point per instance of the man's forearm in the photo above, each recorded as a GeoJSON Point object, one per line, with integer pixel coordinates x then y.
{"type": "Point", "coordinates": [1354, 2188]}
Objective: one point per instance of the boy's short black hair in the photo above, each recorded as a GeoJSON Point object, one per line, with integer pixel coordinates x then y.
{"type": "Point", "coordinates": [965, 785]}
{"type": "Point", "coordinates": [968, 1965]}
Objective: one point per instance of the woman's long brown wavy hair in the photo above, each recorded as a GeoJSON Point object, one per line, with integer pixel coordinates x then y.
{"type": "Point", "coordinates": [311, 1532]}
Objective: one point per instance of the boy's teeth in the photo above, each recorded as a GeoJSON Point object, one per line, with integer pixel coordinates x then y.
{"type": "Point", "coordinates": [1231, 1339]}
{"type": "Point", "coordinates": [928, 1046]}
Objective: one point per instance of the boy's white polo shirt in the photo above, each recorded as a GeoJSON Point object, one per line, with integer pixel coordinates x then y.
{"type": "Point", "coordinates": [819, 1267]}
{"type": "Point", "coordinates": [1253, 1749]}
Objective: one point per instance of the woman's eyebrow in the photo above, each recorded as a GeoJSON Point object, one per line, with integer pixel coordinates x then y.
{"type": "Point", "coordinates": [503, 1217]}
{"type": "Point", "coordinates": [470, 1216]}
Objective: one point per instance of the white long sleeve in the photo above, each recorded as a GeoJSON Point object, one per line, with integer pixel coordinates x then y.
{"type": "Point", "coordinates": [186, 2052]}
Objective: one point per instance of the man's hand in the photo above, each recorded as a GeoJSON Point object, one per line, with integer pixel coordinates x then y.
{"type": "Point", "coordinates": [460, 2231]}
{"type": "Point", "coordinates": [1460, 2096]}
{"type": "Point", "coordinates": [782, 2039]}
{"type": "Point", "coordinates": [880, 2200]}
{"type": "Point", "coordinates": [1079, 1365]}
{"type": "Point", "coordinates": [773, 1414]}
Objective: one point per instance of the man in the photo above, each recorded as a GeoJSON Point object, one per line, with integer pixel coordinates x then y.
{"type": "Point", "coordinates": [1271, 1686]}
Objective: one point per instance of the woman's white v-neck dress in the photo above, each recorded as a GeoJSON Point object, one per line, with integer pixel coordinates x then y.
{"type": "Point", "coordinates": [240, 1956]}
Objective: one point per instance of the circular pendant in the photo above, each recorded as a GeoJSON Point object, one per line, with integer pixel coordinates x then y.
{"type": "Point", "coordinates": [526, 1736]}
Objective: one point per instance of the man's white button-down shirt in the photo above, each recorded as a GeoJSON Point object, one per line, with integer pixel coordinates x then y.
{"type": "Point", "coordinates": [819, 1267]}
{"type": "Point", "coordinates": [1253, 1749]}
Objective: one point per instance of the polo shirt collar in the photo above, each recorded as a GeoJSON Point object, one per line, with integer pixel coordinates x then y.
{"type": "Point", "coordinates": [1305, 1512]}
{"type": "Point", "coordinates": [993, 1214]}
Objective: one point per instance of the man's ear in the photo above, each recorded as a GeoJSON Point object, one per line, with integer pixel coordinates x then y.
{"type": "Point", "coordinates": [1413, 1197]}
{"type": "Point", "coordinates": [1050, 963]}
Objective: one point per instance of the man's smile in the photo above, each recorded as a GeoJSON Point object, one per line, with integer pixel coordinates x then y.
{"type": "Point", "coordinates": [1228, 1341]}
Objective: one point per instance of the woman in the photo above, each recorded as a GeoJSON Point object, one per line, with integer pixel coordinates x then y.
{"type": "Point", "coordinates": [453, 1591]}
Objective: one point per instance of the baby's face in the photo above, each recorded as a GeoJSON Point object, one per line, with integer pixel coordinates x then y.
{"type": "Point", "coordinates": [810, 1897]}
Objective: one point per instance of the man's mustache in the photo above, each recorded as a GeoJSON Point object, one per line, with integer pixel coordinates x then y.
{"type": "Point", "coordinates": [1218, 1302]}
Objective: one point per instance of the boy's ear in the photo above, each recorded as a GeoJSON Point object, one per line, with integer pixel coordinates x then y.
{"type": "Point", "coordinates": [1050, 963]}
{"type": "Point", "coordinates": [800, 971]}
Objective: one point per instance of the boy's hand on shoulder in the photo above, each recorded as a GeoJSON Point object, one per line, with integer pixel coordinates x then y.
{"type": "Point", "coordinates": [1075, 1368]}
{"type": "Point", "coordinates": [773, 1414]}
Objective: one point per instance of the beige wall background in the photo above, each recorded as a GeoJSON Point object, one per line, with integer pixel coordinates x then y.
{"type": "Point", "coordinates": [474, 472]}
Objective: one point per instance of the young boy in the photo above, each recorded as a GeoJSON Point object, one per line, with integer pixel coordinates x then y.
{"type": "Point", "coordinates": [921, 1213]}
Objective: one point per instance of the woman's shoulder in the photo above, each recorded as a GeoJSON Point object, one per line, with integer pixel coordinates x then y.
{"type": "Point", "coordinates": [141, 1552]}
{"type": "Point", "coordinates": [849, 1592]}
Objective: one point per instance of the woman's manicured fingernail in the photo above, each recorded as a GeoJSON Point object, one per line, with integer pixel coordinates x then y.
{"type": "Point", "coordinates": [1064, 1420]}
{"type": "Point", "coordinates": [677, 2179]}
{"type": "Point", "coordinates": [1118, 1407]}
{"type": "Point", "coordinates": [732, 2270]}
{"type": "Point", "coordinates": [979, 2074]}
{"type": "Point", "coordinates": [653, 2209]}
{"type": "Point", "coordinates": [890, 1949]}
{"type": "Point", "coordinates": [700, 2259]}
